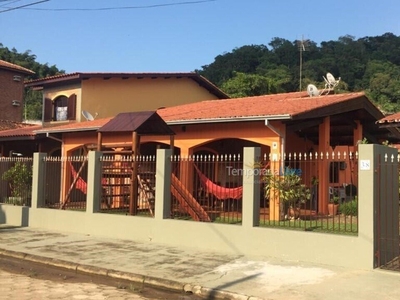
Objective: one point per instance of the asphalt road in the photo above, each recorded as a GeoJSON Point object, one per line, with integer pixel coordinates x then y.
{"type": "Point", "coordinates": [24, 280]}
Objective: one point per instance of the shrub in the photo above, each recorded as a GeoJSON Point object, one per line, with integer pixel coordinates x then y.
{"type": "Point", "coordinates": [20, 179]}
{"type": "Point", "coordinates": [349, 208]}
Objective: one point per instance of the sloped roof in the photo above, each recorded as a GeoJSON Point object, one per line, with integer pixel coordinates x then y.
{"type": "Point", "coordinates": [143, 122]}
{"type": "Point", "coordinates": [78, 76]}
{"type": "Point", "coordinates": [26, 132]}
{"type": "Point", "coordinates": [72, 127]}
{"type": "Point", "coordinates": [278, 106]}
{"type": "Point", "coordinates": [7, 125]}
{"type": "Point", "coordinates": [9, 66]}
{"type": "Point", "coordinates": [391, 119]}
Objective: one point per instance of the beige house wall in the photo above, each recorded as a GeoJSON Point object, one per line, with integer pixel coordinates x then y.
{"type": "Point", "coordinates": [116, 95]}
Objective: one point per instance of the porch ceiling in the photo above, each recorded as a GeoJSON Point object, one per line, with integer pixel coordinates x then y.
{"type": "Point", "coordinates": [342, 128]}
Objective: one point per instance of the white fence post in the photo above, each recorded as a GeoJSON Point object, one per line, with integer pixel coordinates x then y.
{"type": "Point", "coordinates": [38, 182]}
{"type": "Point", "coordinates": [93, 196]}
{"type": "Point", "coordinates": [251, 187]}
{"type": "Point", "coordinates": [163, 184]}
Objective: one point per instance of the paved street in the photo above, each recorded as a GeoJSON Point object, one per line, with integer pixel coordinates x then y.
{"type": "Point", "coordinates": [21, 287]}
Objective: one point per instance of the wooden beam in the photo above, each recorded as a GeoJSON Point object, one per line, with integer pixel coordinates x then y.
{"type": "Point", "coordinates": [99, 141]}
{"type": "Point", "coordinates": [304, 125]}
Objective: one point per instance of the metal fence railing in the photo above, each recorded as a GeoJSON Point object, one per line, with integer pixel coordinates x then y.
{"type": "Point", "coordinates": [72, 195]}
{"type": "Point", "coordinates": [16, 180]}
{"type": "Point", "coordinates": [207, 188]}
{"type": "Point", "coordinates": [128, 185]}
{"type": "Point", "coordinates": [303, 202]}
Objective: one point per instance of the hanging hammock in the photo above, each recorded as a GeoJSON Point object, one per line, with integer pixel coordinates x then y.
{"type": "Point", "coordinates": [220, 192]}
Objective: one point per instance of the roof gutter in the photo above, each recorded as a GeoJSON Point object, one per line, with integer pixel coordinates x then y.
{"type": "Point", "coordinates": [53, 137]}
{"type": "Point", "coordinates": [228, 120]}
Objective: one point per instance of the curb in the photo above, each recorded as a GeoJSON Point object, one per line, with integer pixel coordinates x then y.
{"type": "Point", "coordinates": [137, 278]}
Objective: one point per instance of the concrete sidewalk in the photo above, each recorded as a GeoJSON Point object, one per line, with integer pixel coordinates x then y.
{"type": "Point", "coordinates": [213, 275]}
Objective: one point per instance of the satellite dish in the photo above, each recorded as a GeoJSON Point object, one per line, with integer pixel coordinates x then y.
{"type": "Point", "coordinates": [330, 78]}
{"type": "Point", "coordinates": [312, 90]}
{"type": "Point", "coordinates": [88, 116]}
{"type": "Point", "coordinates": [330, 83]}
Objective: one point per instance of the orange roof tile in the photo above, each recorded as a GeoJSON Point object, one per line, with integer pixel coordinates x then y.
{"type": "Point", "coordinates": [6, 125]}
{"type": "Point", "coordinates": [290, 104]}
{"type": "Point", "coordinates": [6, 65]}
{"type": "Point", "coordinates": [394, 118]}
{"type": "Point", "coordinates": [277, 105]}
{"type": "Point", "coordinates": [80, 126]}
{"type": "Point", "coordinates": [24, 131]}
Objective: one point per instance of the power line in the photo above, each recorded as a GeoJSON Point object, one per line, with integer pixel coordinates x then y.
{"type": "Point", "coordinates": [23, 6]}
{"type": "Point", "coordinates": [124, 7]}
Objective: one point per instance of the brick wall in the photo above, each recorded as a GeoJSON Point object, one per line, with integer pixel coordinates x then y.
{"type": "Point", "coordinates": [11, 90]}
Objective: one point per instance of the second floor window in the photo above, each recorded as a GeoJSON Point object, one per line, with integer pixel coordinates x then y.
{"type": "Point", "coordinates": [61, 108]}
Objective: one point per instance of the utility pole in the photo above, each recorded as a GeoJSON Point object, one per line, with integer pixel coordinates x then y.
{"type": "Point", "coordinates": [302, 47]}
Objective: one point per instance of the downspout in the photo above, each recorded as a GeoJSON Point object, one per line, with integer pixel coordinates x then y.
{"type": "Point", "coordinates": [278, 133]}
{"type": "Point", "coordinates": [282, 138]}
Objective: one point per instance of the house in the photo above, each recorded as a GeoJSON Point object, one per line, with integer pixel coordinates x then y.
{"type": "Point", "coordinates": [12, 91]}
{"type": "Point", "coordinates": [279, 124]}
{"type": "Point", "coordinates": [72, 98]}
{"type": "Point", "coordinates": [104, 95]}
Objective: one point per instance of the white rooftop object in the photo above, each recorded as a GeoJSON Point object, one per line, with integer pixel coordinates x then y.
{"type": "Point", "coordinates": [312, 90]}
{"type": "Point", "coordinates": [88, 116]}
{"type": "Point", "coordinates": [330, 83]}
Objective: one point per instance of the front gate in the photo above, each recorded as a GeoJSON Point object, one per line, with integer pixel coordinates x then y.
{"type": "Point", "coordinates": [386, 211]}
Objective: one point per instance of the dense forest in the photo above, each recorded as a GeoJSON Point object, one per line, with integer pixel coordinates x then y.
{"type": "Point", "coordinates": [370, 64]}
{"type": "Point", "coordinates": [33, 99]}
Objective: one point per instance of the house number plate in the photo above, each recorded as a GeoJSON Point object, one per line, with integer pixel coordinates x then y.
{"type": "Point", "coordinates": [365, 165]}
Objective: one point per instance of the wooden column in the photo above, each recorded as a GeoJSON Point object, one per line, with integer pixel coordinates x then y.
{"type": "Point", "coordinates": [172, 144]}
{"type": "Point", "coordinates": [357, 134]}
{"type": "Point", "coordinates": [133, 200]}
{"type": "Point", "coordinates": [99, 141]}
{"type": "Point", "coordinates": [323, 165]}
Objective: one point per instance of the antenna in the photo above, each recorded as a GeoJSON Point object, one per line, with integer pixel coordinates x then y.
{"type": "Point", "coordinates": [302, 44]}
{"type": "Point", "coordinates": [312, 90]}
{"type": "Point", "coordinates": [88, 116]}
{"type": "Point", "coordinates": [330, 83]}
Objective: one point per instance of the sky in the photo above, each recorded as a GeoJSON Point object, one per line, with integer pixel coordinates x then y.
{"type": "Point", "coordinates": [177, 35]}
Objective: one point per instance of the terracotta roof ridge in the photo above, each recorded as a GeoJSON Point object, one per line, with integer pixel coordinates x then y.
{"type": "Point", "coordinates": [16, 67]}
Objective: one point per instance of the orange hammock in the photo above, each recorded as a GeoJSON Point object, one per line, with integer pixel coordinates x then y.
{"type": "Point", "coordinates": [220, 192]}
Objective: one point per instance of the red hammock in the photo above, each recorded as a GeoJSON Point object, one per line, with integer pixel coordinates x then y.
{"type": "Point", "coordinates": [220, 192]}
{"type": "Point", "coordinates": [80, 183]}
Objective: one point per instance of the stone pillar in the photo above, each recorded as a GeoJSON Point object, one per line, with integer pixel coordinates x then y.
{"type": "Point", "coordinates": [378, 203]}
{"type": "Point", "coordinates": [94, 188]}
{"type": "Point", "coordinates": [251, 188]}
{"type": "Point", "coordinates": [38, 180]}
{"type": "Point", "coordinates": [162, 208]}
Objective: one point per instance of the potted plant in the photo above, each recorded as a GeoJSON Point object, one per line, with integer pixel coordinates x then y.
{"type": "Point", "coordinates": [290, 190]}
{"type": "Point", "coordinates": [19, 178]}
{"type": "Point", "coordinates": [333, 205]}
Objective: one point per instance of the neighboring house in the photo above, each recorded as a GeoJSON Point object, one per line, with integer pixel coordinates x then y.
{"type": "Point", "coordinates": [392, 120]}
{"type": "Point", "coordinates": [281, 123]}
{"type": "Point", "coordinates": [66, 96]}
{"type": "Point", "coordinates": [12, 91]}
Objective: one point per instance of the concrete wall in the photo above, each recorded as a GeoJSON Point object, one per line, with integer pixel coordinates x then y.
{"type": "Point", "coordinates": [246, 239]}
{"type": "Point", "coordinates": [14, 215]}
